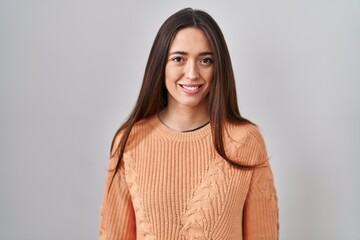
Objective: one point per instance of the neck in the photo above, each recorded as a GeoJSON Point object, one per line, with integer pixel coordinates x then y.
{"type": "Point", "coordinates": [184, 119]}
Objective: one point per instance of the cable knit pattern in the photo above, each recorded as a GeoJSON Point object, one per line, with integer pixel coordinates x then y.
{"type": "Point", "coordinates": [207, 203]}
{"type": "Point", "coordinates": [144, 228]}
{"type": "Point", "coordinates": [173, 185]}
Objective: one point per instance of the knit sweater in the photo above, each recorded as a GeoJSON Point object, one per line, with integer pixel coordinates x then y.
{"type": "Point", "coordinates": [174, 185]}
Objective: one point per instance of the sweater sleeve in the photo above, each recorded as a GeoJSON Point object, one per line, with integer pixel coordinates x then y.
{"type": "Point", "coordinates": [260, 220]}
{"type": "Point", "coordinates": [117, 218]}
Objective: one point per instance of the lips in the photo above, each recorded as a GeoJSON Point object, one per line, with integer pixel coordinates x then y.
{"type": "Point", "coordinates": [191, 88]}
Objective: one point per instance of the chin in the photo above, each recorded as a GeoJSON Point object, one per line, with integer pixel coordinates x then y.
{"type": "Point", "coordinates": [193, 104]}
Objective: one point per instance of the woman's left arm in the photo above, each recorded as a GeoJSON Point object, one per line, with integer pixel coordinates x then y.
{"type": "Point", "coordinates": [261, 213]}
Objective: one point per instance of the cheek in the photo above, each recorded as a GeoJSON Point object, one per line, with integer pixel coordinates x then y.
{"type": "Point", "coordinates": [208, 76]}
{"type": "Point", "coordinates": [169, 75]}
{"type": "Point", "coordinates": [172, 75]}
{"type": "Point", "coordinates": [171, 78]}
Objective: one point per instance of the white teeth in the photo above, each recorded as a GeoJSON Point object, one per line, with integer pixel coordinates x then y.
{"type": "Point", "coordinates": [190, 88]}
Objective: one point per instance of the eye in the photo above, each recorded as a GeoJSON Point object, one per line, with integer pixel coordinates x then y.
{"type": "Point", "coordinates": [207, 61]}
{"type": "Point", "coordinates": [177, 59]}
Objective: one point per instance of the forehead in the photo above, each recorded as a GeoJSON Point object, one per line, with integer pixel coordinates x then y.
{"type": "Point", "coordinates": [190, 40]}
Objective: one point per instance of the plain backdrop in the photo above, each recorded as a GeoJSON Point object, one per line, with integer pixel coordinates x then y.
{"type": "Point", "coordinates": [70, 72]}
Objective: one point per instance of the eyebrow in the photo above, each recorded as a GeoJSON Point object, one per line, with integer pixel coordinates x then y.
{"type": "Point", "coordinates": [185, 53]}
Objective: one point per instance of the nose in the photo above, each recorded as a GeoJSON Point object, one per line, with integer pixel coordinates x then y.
{"type": "Point", "coordinates": [191, 70]}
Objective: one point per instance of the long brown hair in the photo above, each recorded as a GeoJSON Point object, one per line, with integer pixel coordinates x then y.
{"type": "Point", "coordinates": [222, 100]}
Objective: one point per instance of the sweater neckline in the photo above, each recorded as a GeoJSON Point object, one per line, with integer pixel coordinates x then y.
{"type": "Point", "coordinates": [177, 135]}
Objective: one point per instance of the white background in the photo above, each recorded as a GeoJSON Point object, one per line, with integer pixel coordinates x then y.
{"type": "Point", "coordinates": [70, 72]}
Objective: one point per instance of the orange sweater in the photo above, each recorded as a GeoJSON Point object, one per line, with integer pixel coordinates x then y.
{"type": "Point", "coordinates": [173, 185]}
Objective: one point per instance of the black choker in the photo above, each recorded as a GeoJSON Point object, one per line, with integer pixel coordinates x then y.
{"type": "Point", "coordinates": [191, 130]}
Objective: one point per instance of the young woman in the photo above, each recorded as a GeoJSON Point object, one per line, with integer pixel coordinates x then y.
{"type": "Point", "coordinates": [185, 164]}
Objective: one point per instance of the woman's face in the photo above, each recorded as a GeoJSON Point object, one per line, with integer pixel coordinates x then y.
{"type": "Point", "coordinates": [189, 69]}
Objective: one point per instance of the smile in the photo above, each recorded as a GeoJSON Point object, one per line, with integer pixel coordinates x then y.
{"type": "Point", "coordinates": [191, 89]}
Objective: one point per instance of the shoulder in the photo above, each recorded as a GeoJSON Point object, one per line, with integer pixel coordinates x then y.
{"type": "Point", "coordinates": [139, 132]}
{"type": "Point", "coordinates": [244, 143]}
{"type": "Point", "coordinates": [141, 129]}
{"type": "Point", "coordinates": [243, 132]}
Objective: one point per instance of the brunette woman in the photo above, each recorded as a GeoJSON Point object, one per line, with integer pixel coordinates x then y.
{"type": "Point", "coordinates": [186, 164]}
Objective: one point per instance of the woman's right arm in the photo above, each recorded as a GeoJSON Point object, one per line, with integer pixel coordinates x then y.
{"type": "Point", "coordinates": [117, 218]}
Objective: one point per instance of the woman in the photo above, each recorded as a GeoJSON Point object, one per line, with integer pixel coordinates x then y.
{"type": "Point", "coordinates": [186, 165]}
